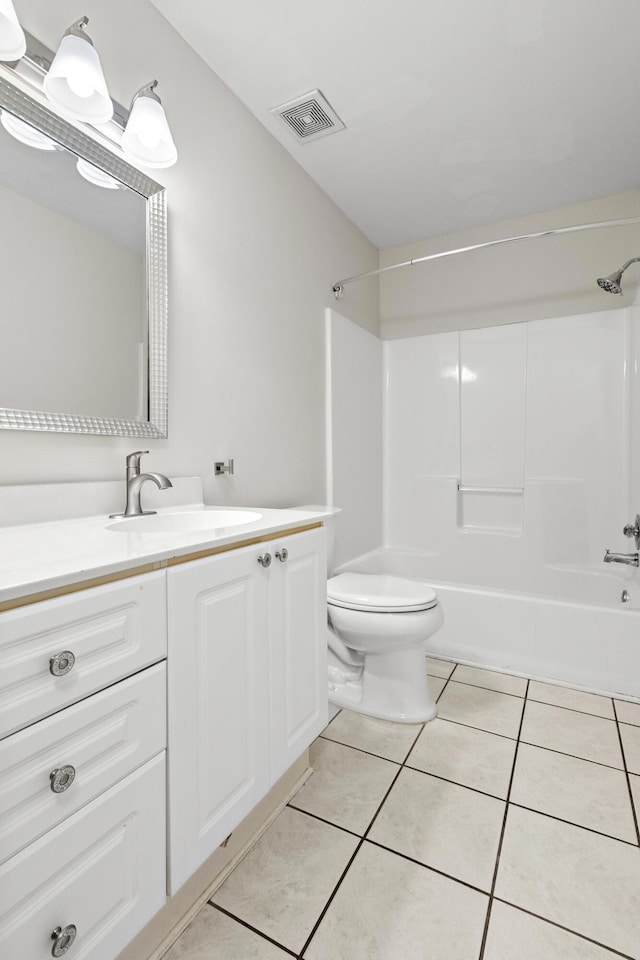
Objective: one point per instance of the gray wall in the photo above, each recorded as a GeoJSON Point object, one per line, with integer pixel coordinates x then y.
{"type": "Point", "coordinates": [255, 247]}
{"type": "Point", "coordinates": [530, 280]}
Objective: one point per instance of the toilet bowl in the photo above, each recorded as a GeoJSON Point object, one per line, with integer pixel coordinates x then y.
{"type": "Point", "coordinates": [377, 630]}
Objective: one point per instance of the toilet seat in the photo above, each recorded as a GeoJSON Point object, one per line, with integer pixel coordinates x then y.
{"type": "Point", "coordinates": [376, 593]}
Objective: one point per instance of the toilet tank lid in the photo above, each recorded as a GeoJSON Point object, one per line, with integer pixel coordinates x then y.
{"type": "Point", "coordinates": [379, 592]}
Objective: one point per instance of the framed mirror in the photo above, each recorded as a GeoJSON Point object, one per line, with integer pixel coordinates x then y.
{"type": "Point", "coordinates": [83, 264]}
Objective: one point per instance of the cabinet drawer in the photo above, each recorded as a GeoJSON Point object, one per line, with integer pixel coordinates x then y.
{"type": "Point", "coordinates": [102, 739]}
{"type": "Point", "coordinates": [102, 870]}
{"type": "Point", "coordinates": [112, 631]}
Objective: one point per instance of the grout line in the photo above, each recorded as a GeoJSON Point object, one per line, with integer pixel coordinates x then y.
{"type": "Point", "coordinates": [427, 866]}
{"type": "Point", "coordinates": [572, 823]}
{"type": "Point", "coordinates": [248, 926]}
{"type": "Point", "coordinates": [330, 823]}
{"type": "Point", "coordinates": [329, 902]}
{"type": "Point", "coordinates": [563, 753]}
{"type": "Point", "coordinates": [584, 713]}
{"type": "Point", "coordinates": [360, 750]}
{"type": "Point", "coordinates": [479, 686]}
{"type": "Point", "coordinates": [470, 726]}
{"type": "Point", "coordinates": [626, 773]}
{"type": "Point", "coordinates": [346, 870]}
{"type": "Point", "coordinates": [355, 852]}
{"type": "Point", "coordinates": [502, 832]}
{"type": "Point", "coordinates": [559, 926]}
{"type": "Point", "coordinates": [455, 783]}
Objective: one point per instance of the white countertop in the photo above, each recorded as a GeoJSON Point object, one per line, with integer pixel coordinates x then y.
{"type": "Point", "coordinates": [36, 557]}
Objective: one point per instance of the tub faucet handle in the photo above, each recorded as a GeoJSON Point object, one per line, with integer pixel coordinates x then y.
{"type": "Point", "coordinates": [631, 530]}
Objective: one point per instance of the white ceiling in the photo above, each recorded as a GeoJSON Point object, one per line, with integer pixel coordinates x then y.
{"type": "Point", "coordinates": [458, 113]}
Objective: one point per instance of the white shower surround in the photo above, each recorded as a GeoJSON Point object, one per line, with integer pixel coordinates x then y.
{"type": "Point", "coordinates": [520, 576]}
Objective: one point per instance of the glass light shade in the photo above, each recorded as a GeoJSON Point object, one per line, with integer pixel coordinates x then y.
{"type": "Point", "coordinates": [25, 133]}
{"type": "Point", "coordinates": [13, 43]}
{"type": "Point", "coordinates": [95, 175]}
{"type": "Point", "coordinates": [147, 138]}
{"type": "Point", "coordinates": [75, 82]}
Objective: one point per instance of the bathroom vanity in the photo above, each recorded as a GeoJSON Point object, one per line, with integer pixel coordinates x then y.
{"type": "Point", "coordinates": [153, 688]}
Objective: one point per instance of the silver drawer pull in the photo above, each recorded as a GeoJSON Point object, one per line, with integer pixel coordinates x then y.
{"type": "Point", "coordinates": [265, 560]}
{"type": "Point", "coordinates": [62, 663]}
{"type": "Point", "coordinates": [62, 778]}
{"type": "Point", "coordinates": [282, 555]}
{"type": "Point", "coordinates": [63, 938]}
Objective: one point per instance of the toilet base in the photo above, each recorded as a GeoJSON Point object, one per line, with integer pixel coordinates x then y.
{"type": "Point", "coordinates": [392, 686]}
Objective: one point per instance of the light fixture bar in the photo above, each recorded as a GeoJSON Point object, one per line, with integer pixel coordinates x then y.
{"type": "Point", "coordinates": [38, 60]}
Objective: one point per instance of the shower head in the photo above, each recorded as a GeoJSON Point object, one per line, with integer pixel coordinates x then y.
{"type": "Point", "coordinates": [613, 283]}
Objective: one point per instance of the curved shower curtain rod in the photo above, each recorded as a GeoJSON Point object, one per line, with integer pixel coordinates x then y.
{"type": "Point", "coordinates": [338, 288]}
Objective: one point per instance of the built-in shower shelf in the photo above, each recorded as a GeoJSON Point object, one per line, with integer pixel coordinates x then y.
{"type": "Point", "coordinates": [484, 509]}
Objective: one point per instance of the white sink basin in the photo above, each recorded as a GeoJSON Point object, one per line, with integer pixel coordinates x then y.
{"type": "Point", "coordinates": [193, 521]}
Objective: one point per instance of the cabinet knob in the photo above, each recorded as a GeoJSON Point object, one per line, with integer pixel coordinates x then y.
{"type": "Point", "coordinates": [282, 555]}
{"type": "Point", "coordinates": [62, 778]}
{"type": "Point", "coordinates": [265, 560]}
{"type": "Point", "coordinates": [62, 663]}
{"type": "Point", "coordinates": [63, 938]}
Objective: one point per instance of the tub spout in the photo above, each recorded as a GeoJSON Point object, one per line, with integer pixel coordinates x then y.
{"type": "Point", "coordinates": [631, 559]}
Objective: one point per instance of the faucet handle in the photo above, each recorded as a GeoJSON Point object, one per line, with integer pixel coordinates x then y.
{"type": "Point", "coordinates": [630, 530]}
{"type": "Point", "coordinates": [133, 461]}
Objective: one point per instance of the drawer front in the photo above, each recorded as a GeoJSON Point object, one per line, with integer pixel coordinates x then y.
{"type": "Point", "coordinates": [92, 745]}
{"type": "Point", "coordinates": [112, 631]}
{"type": "Point", "coordinates": [102, 871]}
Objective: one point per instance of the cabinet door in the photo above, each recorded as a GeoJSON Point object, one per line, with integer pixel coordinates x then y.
{"type": "Point", "coordinates": [298, 646]}
{"type": "Point", "coordinates": [218, 680]}
{"type": "Point", "coordinates": [102, 871]}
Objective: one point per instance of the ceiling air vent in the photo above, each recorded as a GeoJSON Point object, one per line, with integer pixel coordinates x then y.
{"type": "Point", "coordinates": [309, 116]}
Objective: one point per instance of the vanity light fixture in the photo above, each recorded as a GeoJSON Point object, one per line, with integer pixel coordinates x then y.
{"type": "Point", "coordinates": [147, 138]}
{"type": "Point", "coordinates": [75, 82]}
{"type": "Point", "coordinates": [25, 133]}
{"type": "Point", "coordinates": [13, 43]}
{"type": "Point", "coordinates": [95, 175]}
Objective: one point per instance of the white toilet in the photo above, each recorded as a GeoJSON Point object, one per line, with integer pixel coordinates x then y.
{"type": "Point", "coordinates": [377, 630]}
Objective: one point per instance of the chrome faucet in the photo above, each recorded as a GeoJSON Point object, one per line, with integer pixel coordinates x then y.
{"type": "Point", "coordinates": [631, 559]}
{"type": "Point", "coordinates": [135, 481]}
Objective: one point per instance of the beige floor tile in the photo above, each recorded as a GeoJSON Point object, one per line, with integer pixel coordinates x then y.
{"type": "Point", "coordinates": [573, 699]}
{"type": "Point", "coordinates": [514, 935]}
{"type": "Point", "coordinates": [502, 682]}
{"type": "Point", "coordinates": [436, 686]}
{"type": "Point", "coordinates": [214, 936]}
{"type": "Point", "coordinates": [386, 739]}
{"type": "Point", "coordinates": [346, 786]}
{"type": "Point", "coordinates": [442, 825]}
{"type": "Point", "coordinates": [465, 755]}
{"type": "Point", "coordinates": [579, 734]}
{"type": "Point", "coordinates": [439, 668]}
{"type": "Point", "coordinates": [585, 882]}
{"type": "Point", "coordinates": [388, 908]}
{"type": "Point", "coordinates": [485, 709]}
{"type": "Point", "coordinates": [283, 883]}
{"type": "Point", "coordinates": [582, 792]}
{"type": "Point", "coordinates": [631, 743]}
{"type": "Point", "coordinates": [628, 712]}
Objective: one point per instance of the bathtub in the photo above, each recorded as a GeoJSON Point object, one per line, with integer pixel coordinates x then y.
{"type": "Point", "coordinates": [567, 624]}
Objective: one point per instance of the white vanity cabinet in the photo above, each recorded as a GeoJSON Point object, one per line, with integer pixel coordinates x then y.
{"type": "Point", "coordinates": [82, 770]}
{"type": "Point", "coordinates": [247, 684]}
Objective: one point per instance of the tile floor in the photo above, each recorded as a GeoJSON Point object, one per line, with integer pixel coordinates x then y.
{"type": "Point", "coordinates": [503, 830]}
